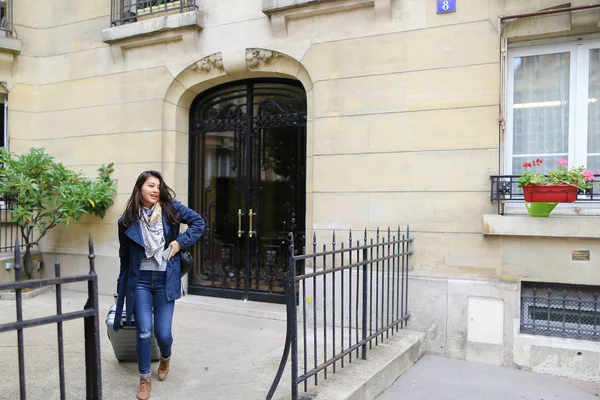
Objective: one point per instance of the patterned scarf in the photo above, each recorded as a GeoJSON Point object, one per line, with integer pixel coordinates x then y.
{"type": "Point", "coordinates": [152, 231]}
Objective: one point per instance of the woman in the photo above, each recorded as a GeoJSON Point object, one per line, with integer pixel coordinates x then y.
{"type": "Point", "coordinates": [150, 276]}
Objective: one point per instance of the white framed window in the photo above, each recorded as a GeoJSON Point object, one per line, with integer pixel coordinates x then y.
{"type": "Point", "coordinates": [553, 105]}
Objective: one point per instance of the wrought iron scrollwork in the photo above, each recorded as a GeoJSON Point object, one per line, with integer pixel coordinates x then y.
{"type": "Point", "coordinates": [279, 120]}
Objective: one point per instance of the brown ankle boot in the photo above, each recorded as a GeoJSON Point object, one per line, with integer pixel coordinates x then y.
{"type": "Point", "coordinates": [163, 368]}
{"type": "Point", "coordinates": [144, 390]}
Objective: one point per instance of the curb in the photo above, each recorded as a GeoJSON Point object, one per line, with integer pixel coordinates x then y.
{"type": "Point", "coordinates": [25, 293]}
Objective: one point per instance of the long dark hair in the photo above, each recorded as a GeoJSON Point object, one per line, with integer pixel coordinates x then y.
{"type": "Point", "coordinates": [166, 196]}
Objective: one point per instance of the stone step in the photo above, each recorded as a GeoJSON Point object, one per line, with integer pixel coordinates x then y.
{"type": "Point", "coordinates": [367, 379]}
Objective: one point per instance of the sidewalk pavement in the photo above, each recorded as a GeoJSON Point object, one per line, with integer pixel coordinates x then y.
{"type": "Point", "coordinates": [439, 378]}
{"type": "Point", "coordinates": [218, 352]}
{"type": "Point", "coordinates": [230, 350]}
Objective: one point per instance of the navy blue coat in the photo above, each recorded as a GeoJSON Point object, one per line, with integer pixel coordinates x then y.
{"type": "Point", "coordinates": [131, 252]}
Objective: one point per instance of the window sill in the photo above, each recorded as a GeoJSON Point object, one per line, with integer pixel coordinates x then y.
{"type": "Point", "coordinates": [192, 19]}
{"type": "Point", "coordinates": [10, 45]}
{"type": "Point", "coordinates": [280, 11]}
{"type": "Point", "coordinates": [161, 29]}
{"type": "Point", "coordinates": [552, 226]}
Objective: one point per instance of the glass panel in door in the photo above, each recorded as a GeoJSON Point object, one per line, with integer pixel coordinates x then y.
{"type": "Point", "coordinates": [278, 203]}
{"type": "Point", "coordinates": [222, 253]}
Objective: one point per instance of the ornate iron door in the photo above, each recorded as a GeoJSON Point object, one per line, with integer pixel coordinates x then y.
{"type": "Point", "coordinates": [248, 179]}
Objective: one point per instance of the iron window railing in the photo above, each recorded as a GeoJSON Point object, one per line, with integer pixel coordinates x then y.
{"type": "Point", "coordinates": [129, 11]}
{"type": "Point", "coordinates": [504, 189]}
{"type": "Point", "coordinates": [562, 310]}
{"type": "Point", "coordinates": [351, 299]}
{"type": "Point", "coordinates": [6, 17]}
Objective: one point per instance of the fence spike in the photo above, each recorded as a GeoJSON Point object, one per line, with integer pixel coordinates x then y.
{"type": "Point", "coordinates": [91, 255]}
{"type": "Point", "coordinates": [314, 242]}
{"type": "Point", "coordinates": [17, 266]}
{"type": "Point", "coordinates": [350, 237]}
{"type": "Point", "coordinates": [389, 233]}
{"type": "Point", "coordinates": [333, 238]}
{"type": "Point", "coordinates": [91, 244]}
{"type": "Point", "coordinates": [17, 253]}
{"type": "Point", "coordinates": [365, 239]}
{"type": "Point", "coordinates": [292, 242]}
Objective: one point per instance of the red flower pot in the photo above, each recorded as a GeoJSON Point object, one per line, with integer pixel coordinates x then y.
{"type": "Point", "coordinates": [550, 193]}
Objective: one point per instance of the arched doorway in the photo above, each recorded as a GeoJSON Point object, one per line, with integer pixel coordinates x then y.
{"type": "Point", "coordinates": [248, 180]}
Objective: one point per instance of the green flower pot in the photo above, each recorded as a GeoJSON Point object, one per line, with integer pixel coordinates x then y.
{"type": "Point", "coordinates": [540, 208]}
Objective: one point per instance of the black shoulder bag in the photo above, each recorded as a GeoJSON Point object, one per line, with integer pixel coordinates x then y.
{"type": "Point", "coordinates": [186, 261]}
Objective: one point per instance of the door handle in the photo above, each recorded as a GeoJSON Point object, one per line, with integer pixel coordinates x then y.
{"type": "Point", "coordinates": [240, 223]}
{"type": "Point", "coordinates": [250, 215]}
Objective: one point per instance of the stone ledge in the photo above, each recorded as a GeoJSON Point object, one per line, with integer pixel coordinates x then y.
{"type": "Point", "coordinates": [552, 226]}
{"type": "Point", "coordinates": [192, 19]}
{"type": "Point", "coordinates": [270, 6]}
{"type": "Point", "coordinates": [183, 27]}
{"type": "Point", "coordinates": [10, 45]}
{"type": "Point", "coordinates": [280, 11]}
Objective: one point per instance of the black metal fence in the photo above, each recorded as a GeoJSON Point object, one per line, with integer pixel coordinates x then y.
{"type": "Point", "coordinates": [90, 315]}
{"type": "Point", "coordinates": [9, 232]}
{"type": "Point", "coordinates": [6, 17]}
{"type": "Point", "coordinates": [504, 189]}
{"type": "Point", "coordinates": [346, 299]}
{"type": "Point", "coordinates": [129, 11]}
{"type": "Point", "coordinates": [569, 311]}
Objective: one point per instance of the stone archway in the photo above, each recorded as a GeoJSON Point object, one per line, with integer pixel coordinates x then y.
{"type": "Point", "coordinates": [214, 70]}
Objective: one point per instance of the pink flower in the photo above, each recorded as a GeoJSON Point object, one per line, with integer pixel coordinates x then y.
{"type": "Point", "coordinates": [588, 175]}
{"type": "Point", "coordinates": [562, 161]}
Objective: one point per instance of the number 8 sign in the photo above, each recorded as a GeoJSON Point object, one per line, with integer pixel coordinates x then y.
{"type": "Point", "coordinates": [446, 6]}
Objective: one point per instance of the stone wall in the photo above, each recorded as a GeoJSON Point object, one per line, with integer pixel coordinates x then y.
{"type": "Point", "coordinates": [403, 105]}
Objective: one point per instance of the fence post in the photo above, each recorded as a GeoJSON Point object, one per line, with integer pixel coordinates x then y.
{"type": "Point", "coordinates": [92, 335]}
{"type": "Point", "coordinates": [292, 315]}
{"type": "Point", "coordinates": [291, 334]}
{"type": "Point", "coordinates": [20, 344]}
{"type": "Point", "coordinates": [59, 333]}
{"type": "Point", "coordinates": [408, 253]}
{"type": "Point", "coordinates": [364, 301]}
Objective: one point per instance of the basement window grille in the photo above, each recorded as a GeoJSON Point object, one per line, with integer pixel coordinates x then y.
{"type": "Point", "coordinates": [561, 310]}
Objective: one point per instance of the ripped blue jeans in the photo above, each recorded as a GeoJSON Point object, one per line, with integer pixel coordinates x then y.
{"type": "Point", "coordinates": [150, 296]}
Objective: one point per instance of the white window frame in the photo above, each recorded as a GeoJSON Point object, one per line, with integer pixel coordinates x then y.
{"type": "Point", "coordinates": [578, 95]}
{"type": "Point", "coordinates": [4, 102]}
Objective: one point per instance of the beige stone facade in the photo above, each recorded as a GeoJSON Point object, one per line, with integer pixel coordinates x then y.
{"type": "Point", "coordinates": [404, 127]}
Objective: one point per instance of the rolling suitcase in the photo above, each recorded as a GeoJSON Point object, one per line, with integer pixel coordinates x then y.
{"type": "Point", "coordinates": [124, 341]}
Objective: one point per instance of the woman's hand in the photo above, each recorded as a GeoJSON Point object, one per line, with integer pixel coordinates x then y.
{"type": "Point", "coordinates": [175, 247]}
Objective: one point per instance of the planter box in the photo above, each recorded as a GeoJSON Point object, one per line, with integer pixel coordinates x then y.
{"type": "Point", "coordinates": [550, 193]}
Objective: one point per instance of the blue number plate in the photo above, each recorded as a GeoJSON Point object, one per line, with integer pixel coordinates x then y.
{"type": "Point", "coordinates": [446, 6]}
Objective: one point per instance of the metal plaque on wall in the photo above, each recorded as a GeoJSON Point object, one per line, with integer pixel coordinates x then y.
{"type": "Point", "coordinates": [580, 255]}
